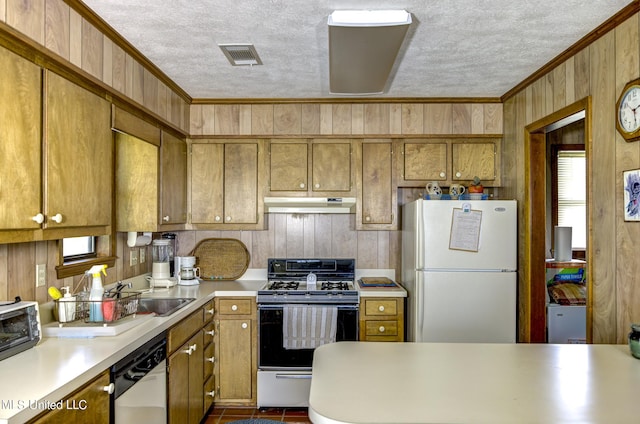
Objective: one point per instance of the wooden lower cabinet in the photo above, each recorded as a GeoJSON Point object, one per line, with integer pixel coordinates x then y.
{"type": "Point", "coordinates": [235, 370]}
{"type": "Point", "coordinates": [90, 404]}
{"type": "Point", "coordinates": [189, 347]}
{"type": "Point", "coordinates": [382, 319]}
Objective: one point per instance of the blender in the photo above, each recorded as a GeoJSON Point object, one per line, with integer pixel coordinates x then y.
{"type": "Point", "coordinates": [161, 267]}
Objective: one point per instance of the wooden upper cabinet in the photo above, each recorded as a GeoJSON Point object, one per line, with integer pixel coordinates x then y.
{"type": "Point", "coordinates": [425, 160]}
{"type": "Point", "coordinates": [136, 184]}
{"type": "Point", "coordinates": [20, 146]}
{"type": "Point", "coordinates": [78, 158]}
{"type": "Point", "coordinates": [173, 177]}
{"type": "Point", "coordinates": [226, 186]}
{"type": "Point", "coordinates": [376, 206]}
{"type": "Point", "coordinates": [288, 166]}
{"type": "Point", "coordinates": [331, 166]}
{"type": "Point", "coordinates": [473, 159]}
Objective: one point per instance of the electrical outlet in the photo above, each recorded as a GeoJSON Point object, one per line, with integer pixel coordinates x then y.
{"type": "Point", "coordinates": [41, 275]}
{"type": "Point", "coordinates": [133, 257]}
{"type": "Point", "coordinates": [142, 255]}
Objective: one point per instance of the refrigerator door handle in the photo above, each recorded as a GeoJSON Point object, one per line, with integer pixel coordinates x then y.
{"type": "Point", "coordinates": [419, 290]}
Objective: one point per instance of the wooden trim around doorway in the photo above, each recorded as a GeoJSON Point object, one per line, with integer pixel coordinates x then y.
{"type": "Point", "coordinates": [534, 220]}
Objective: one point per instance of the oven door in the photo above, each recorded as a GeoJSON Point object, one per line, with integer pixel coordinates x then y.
{"type": "Point", "coordinates": [271, 351]}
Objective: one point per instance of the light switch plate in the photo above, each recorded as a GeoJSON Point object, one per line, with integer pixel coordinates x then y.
{"type": "Point", "coordinates": [41, 275]}
{"type": "Point", "coordinates": [133, 257]}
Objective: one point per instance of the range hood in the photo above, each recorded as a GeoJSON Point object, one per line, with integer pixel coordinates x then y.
{"type": "Point", "coordinates": [310, 204]}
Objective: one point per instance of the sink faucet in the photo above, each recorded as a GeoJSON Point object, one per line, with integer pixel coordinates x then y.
{"type": "Point", "coordinates": [115, 291]}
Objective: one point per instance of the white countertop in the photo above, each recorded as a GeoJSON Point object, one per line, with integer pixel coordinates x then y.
{"type": "Point", "coordinates": [480, 383]}
{"type": "Point", "coordinates": [58, 366]}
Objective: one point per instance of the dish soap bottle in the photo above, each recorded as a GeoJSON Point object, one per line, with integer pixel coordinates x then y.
{"type": "Point", "coordinates": [66, 306]}
{"type": "Point", "coordinates": [96, 293]}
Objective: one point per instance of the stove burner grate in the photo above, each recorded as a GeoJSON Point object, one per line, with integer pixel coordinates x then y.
{"type": "Point", "coordinates": [334, 285]}
{"type": "Point", "coordinates": [284, 285]}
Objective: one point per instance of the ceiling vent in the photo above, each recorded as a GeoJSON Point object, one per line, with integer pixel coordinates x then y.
{"type": "Point", "coordinates": [241, 54]}
{"type": "Point", "coordinates": [363, 46]}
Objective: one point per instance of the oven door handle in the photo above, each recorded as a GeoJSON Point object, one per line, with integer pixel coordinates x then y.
{"type": "Point", "coordinates": [273, 306]}
{"type": "Point", "coordinates": [294, 376]}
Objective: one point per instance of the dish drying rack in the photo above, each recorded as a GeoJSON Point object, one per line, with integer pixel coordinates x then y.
{"type": "Point", "coordinates": [113, 308]}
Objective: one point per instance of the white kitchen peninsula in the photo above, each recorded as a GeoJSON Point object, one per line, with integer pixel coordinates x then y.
{"type": "Point", "coordinates": [473, 383]}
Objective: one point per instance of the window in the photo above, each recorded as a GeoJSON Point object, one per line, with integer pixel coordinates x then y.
{"type": "Point", "coordinates": [570, 192]}
{"type": "Point", "coordinates": [75, 248]}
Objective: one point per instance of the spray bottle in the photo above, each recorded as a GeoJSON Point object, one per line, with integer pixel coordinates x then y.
{"type": "Point", "coordinates": [96, 293]}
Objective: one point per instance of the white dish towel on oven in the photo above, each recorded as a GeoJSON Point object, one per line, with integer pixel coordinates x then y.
{"type": "Point", "coordinates": [308, 326]}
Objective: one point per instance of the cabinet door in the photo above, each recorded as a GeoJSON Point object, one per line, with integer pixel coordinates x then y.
{"type": "Point", "coordinates": [235, 359]}
{"type": "Point", "coordinates": [90, 404]}
{"type": "Point", "coordinates": [136, 184]}
{"type": "Point", "coordinates": [20, 142]}
{"type": "Point", "coordinates": [186, 382]}
{"type": "Point", "coordinates": [79, 156]}
{"type": "Point", "coordinates": [474, 159]}
{"type": "Point", "coordinates": [288, 163]}
{"type": "Point", "coordinates": [377, 191]}
{"type": "Point", "coordinates": [241, 183]}
{"type": "Point", "coordinates": [331, 167]}
{"type": "Point", "coordinates": [425, 161]}
{"type": "Point", "coordinates": [207, 183]}
{"type": "Point", "coordinates": [173, 186]}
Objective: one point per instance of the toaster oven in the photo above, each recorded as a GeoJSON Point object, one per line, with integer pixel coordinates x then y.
{"type": "Point", "coordinates": [19, 327]}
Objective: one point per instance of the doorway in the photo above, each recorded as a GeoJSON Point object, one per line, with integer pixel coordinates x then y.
{"type": "Point", "coordinates": [537, 218]}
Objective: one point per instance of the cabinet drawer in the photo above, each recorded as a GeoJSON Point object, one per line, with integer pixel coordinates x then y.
{"type": "Point", "coordinates": [209, 393]}
{"type": "Point", "coordinates": [209, 333]}
{"type": "Point", "coordinates": [180, 333]}
{"type": "Point", "coordinates": [235, 307]}
{"type": "Point", "coordinates": [209, 360]}
{"type": "Point", "coordinates": [209, 310]}
{"type": "Point", "coordinates": [382, 328]}
{"type": "Point", "coordinates": [380, 307]}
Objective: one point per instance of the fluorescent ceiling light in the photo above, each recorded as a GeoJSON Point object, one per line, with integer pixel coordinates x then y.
{"type": "Point", "coordinates": [363, 46]}
{"type": "Point", "coordinates": [369, 17]}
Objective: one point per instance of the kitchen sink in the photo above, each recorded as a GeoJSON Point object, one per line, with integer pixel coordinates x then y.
{"type": "Point", "coordinates": [162, 306]}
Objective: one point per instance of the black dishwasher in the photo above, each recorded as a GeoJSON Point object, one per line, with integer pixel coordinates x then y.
{"type": "Point", "coordinates": [140, 379]}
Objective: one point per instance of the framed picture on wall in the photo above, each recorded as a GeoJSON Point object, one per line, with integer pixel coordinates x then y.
{"type": "Point", "coordinates": [631, 194]}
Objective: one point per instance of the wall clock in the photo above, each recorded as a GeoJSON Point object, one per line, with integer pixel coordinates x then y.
{"type": "Point", "coordinates": [628, 111]}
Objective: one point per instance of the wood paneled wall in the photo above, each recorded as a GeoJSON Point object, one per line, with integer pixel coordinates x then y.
{"type": "Point", "coordinates": [72, 37]}
{"type": "Point", "coordinates": [600, 70]}
{"type": "Point", "coordinates": [326, 119]}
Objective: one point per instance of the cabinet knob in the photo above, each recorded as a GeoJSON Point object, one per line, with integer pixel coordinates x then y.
{"type": "Point", "coordinates": [381, 329]}
{"type": "Point", "coordinates": [190, 349]}
{"type": "Point", "coordinates": [210, 333]}
{"type": "Point", "coordinates": [234, 307]}
{"type": "Point", "coordinates": [228, 219]}
{"type": "Point", "coordinates": [211, 311]}
{"type": "Point", "coordinates": [317, 185]}
{"type": "Point", "coordinates": [57, 218]}
{"type": "Point", "coordinates": [39, 218]}
{"type": "Point", "coordinates": [217, 218]}
{"type": "Point", "coordinates": [109, 389]}
{"type": "Point", "coordinates": [367, 218]}
{"type": "Point", "coordinates": [381, 308]}
{"type": "Point", "coordinates": [212, 393]}
{"type": "Point", "coordinates": [301, 185]}
{"type": "Point", "coordinates": [165, 218]}
{"type": "Point", "coordinates": [458, 174]}
{"type": "Point", "coordinates": [442, 175]}
{"type": "Point", "coordinates": [212, 359]}
{"type": "Point", "coordinates": [245, 325]}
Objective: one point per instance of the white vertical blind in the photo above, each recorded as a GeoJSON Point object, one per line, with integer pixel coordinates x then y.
{"type": "Point", "coordinates": [572, 195]}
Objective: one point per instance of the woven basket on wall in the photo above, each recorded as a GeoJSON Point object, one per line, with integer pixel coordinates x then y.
{"type": "Point", "coordinates": [221, 258]}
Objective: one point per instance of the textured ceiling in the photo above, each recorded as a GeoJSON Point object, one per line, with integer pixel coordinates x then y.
{"type": "Point", "coordinates": [454, 48]}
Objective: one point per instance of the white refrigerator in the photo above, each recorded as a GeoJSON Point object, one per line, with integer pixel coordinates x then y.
{"type": "Point", "coordinates": [459, 262]}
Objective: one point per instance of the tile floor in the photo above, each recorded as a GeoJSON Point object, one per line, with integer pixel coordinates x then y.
{"type": "Point", "coordinates": [287, 415]}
